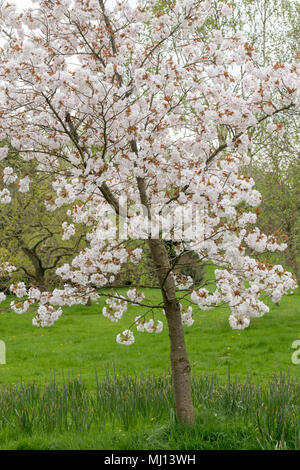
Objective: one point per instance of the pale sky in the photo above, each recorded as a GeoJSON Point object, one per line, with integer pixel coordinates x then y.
{"type": "Point", "coordinates": [27, 3]}
{"type": "Point", "coordinates": [22, 3]}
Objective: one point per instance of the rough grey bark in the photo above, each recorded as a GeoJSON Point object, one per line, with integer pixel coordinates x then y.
{"type": "Point", "coordinates": [181, 370]}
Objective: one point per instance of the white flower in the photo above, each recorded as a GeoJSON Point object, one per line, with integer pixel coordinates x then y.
{"type": "Point", "coordinates": [19, 307]}
{"type": "Point", "coordinates": [24, 184]}
{"type": "Point", "coordinates": [183, 282]}
{"type": "Point", "coordinates": [8, 175]}
{"type": "Point", "coordinates": [34, 293]}
{"type": "Point", "coordinates": [68, 231]}
{"type": "Point", "coordinates": [239, 322]}
{"type": "Point", "coordinates": [109, 70]}
{"type": "Point", "coordinates": [126, 338]}
{"type": "Point", "coordinates": [135, 296]}
{"type": "Point", "coordinates": [136, 255]}
{"type": "Point", "coordinates": [150, 326]}
{"type": "Point", "coordinates": [140, 321]}
{"type": "Point", "coordinates": [186, 315]}
{"type": "Point", "coordinates": [19, 289]}
{"type": "Point", "coordinates": [115, 309]}
{"type": "Point", "coordinates": [3, 153]}
{"type": "Point", "coordinates": [5, 196]}
{"type": "Point", "coordinates": [226, 10]}
{"type": "Point", "coordinates": [6, 268]}
{"type": "Point", "coordinates": [44, 298]}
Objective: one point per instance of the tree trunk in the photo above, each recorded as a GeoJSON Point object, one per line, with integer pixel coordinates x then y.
{"type": "Point", "coordinates": [39, 271]}
{"type": "Point", "coordinates": [181, 370]}
{"type": "Point", "coordinates": [295, 266]}
{"type": "Point", "coordinates": [296, 271]}
{"type": "Point", "coordinates": [179, 359]}
{"type": "Point", "coordinates": [41, 284]}
{"type": "Point", "coordinates": [291, 258]}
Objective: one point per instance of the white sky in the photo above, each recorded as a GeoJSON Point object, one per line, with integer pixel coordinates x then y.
{"type": "Point", "coordinates": [27, 3]}
{"type": "Point", "coordinates": [22, 3]}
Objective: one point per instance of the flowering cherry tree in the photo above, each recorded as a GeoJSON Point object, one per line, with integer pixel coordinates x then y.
{"type": "Point", "coordinates": [118, 101]}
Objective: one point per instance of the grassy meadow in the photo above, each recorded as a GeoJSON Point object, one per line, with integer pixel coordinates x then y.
{"type": "Point", "coordinates": [72, 386]}
{"type": "Point", "coordinates": [83, 342]}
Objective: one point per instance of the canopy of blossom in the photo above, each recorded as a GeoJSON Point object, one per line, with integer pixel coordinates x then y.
{"type": "Point", "coordinates": [110, 100]}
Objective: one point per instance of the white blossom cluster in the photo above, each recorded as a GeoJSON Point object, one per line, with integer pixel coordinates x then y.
{"type": "Point", "coordinates": [186, 315]}
{"type": "Point", "coordinates": [115, 309]}
{"type": "Point", "coordinates": [71, 296]}
{"type": "Point", "coordinates": [182, 282]}
{"type": "Point", "coordinates": [244, 301]}
{"type": "Point", "coordinates": [148, 326]}
{"type": "Point", "coordinates": [136, 255]}
{"type": "Point", "coordinates": [46, 316]}
{"type": "Point", "coordinates": [135, 296]}
{"type": "Point", "coordinates": [8, 175]}
{"type": "Point", "coordinates": [18, 289]}
{"type": "Point", "coordinates": [34, 293]}
{"type": "Point", "coordinates": [261, 242]}
{"type": "Point", "coordinates": [6, 268]}
{"type": "Point", "coordinates": [20, 307]}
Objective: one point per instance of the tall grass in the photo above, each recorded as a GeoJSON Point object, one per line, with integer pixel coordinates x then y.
{"type": "Point", "coordinates": [127, 411]}
{"type": "Point", "coordinates": [273, 407]}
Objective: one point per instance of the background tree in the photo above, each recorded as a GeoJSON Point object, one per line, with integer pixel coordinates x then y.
{"type": "Point", "coordinates": [275, 144]}
{"type": "Point", "coordinates": [34, 239]}
{"type": "Point", "coordinates": [276, 169]}
{"type": "Point", "coordinates": [275, 150]}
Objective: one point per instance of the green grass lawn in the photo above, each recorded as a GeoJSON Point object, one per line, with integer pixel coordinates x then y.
{"type": "Point", "coordinates": [82, 341]}
{"type": "Point", "coordinates": [66, 408]}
